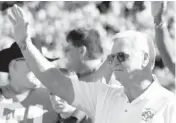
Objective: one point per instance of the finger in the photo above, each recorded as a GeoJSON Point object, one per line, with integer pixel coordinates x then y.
{"type": "Point", "coordinates": [12, 20]}
{"type": "Point", "coordinates": [110, 59]}
{"type": "Point", "coordinates": [14, 13]}
{"type": "Point", "coordinates": [19, 11]}
{"type": "Point", "coordinates": [26, 24]}
{"type": "Point", "coordinates": [162, 8]}
{"type": "Point", "coordinates": [15, 10]}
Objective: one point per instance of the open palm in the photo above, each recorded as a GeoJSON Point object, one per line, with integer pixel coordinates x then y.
{"type": "Point", "coordinates": [20, 25]}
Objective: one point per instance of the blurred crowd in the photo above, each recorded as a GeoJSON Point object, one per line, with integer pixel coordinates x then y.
{"type": "Point", "coordinates": [50, 22]}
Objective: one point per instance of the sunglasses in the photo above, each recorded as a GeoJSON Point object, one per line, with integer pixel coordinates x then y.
{"type": "Point", "coordinates": [121, 57]}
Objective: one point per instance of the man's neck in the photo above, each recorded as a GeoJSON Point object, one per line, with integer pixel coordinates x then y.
{"type": "Point", "coordinates": [135, 87]}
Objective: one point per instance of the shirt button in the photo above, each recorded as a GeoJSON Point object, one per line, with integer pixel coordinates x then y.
{"type": "Point", "coordinates": [126, 110]}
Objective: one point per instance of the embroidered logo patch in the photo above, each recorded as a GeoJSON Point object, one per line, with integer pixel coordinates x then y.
{"type": "Point", "coordinates": [147, 114]}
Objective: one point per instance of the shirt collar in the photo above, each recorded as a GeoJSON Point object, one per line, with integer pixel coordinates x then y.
{"type": "Point", "coordinates": [152, 92]}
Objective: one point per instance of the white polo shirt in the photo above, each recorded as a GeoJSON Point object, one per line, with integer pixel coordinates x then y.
{"type": "Point", "coordinates": [109, 104]}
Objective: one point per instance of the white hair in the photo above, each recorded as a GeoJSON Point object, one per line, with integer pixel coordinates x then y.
{"type": "Point", "coordinates": [141, 41]}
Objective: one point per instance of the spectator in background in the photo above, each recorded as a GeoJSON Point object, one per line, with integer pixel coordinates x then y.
{"type": "Point", "coordinates": [85, 52]}
{"type": "Point", "coordinates": [164, 42]}
{"type": "Point", "coordinates": [24, 101]}
{"type": "Point", "coordinates": [132, 60]}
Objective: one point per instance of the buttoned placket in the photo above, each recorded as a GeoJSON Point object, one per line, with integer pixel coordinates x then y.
{"type": "Point", "coordinates": [127, 106]}
{"type": "Point", "coordinates": [130, 106]}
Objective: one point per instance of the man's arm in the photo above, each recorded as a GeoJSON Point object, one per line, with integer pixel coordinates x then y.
{"type": "Point", "coordinates": [104, 72]}
{"type": "Point", "coordinates": [40, 66]}
{"type": "Point", "coordinates": [163, 41]}
{"type": "Point", "coordinates": [166, 47]}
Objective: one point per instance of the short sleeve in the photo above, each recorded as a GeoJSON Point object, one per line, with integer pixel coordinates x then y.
{"type": "Point", "coordinates": [173, 112]}
{"type": "Point", "coordinates": [170, 113]}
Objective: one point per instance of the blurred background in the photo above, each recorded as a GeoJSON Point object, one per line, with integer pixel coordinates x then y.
{"type": "Point", "coordinates": [50, 22]}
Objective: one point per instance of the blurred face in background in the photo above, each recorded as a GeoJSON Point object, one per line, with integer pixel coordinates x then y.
{"type": "Point", "coordinates": [21, 76]}
{"type": "Point", "coordinates": [74, 57]}
{"type": "Point", "coordinates": [59, 105]}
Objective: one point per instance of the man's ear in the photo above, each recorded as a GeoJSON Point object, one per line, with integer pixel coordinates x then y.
{"type": "Point", "coordinates": [82, 50]}
{"type": "Point", "coordinates": [145, 60]}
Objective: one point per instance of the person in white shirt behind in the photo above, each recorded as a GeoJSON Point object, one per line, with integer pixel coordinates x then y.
{"type": "Point", "coordinates": [141, 99]}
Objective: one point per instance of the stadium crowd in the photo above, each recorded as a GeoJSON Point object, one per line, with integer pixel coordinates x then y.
{"type": "Point", "coordinates": [50, 23]}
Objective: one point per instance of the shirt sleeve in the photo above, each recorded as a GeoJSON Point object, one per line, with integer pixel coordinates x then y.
{"type": "Point", "coordinates": [170, 114]}
{"type": "Point", "coordinates": [86, 95]}
{"type": "Point", "coordinates": [173, 113]}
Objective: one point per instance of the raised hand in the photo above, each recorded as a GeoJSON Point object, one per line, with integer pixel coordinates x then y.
{"type": "Point", "coordinates": [20, 25]}
{"type": "Point", "coordinates": [158, 9]}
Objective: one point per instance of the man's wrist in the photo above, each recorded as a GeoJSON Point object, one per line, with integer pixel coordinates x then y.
{"type": "Point", "coordinates": [159, 22]}
{"type": "Point", "coordinates": [158, 19]}
{"type": "Point", "coordinates": [23, 44]}
{"type": "Point", "coordinates": [160, 25]}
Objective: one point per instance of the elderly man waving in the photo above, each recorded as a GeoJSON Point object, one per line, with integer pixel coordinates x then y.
{"type": "Point", "coordinates": [141, 99]}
